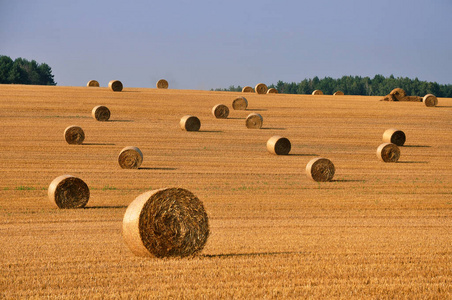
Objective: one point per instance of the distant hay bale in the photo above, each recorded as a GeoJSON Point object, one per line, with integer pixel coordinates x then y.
{"type": "Point", "coordinates": [430, 100]}
{"type": "Point", "coordinates": [93, 83]}
{"type": "Point", "coordinates": [338, 93]}
{"type": "Point", "coordinates": [317, 92]}
{"type": "Point", "coordinates": [272, 91]}
{"type": "Point", "coordinates": [170, 222]}
{"type": "Point", "coordinates": [130, 158]}
{"type": "Point", "coordinates": [388, 152]}
{"type": "Point", "coordinates": [190, 123]}
{"type": "Point", "coordinates": [394, 136]}
{"type": "Point", "coordinates": [162, 84]}
{"type": "Point", "coordinates": [115, 85]}
{"type": "Point", "coordinates": [320, 169]}
{"type": "Point", "coordinates": [247, 89]}
{"type": "Point", "coordinates": [74, 135]}
{"type": "Point", "coordinates": [67, 191]}
{"type": "Point", "coordinates": [398, 94]}
{"type": "Point", "coordinates": [220, 111]}
{"type": "Point", "coordinates": [261, 88]}
{"type": "Point", "coordinates": [254, 121]}
{"type": "Point", "coordinates": [101, 113]}
{"type": "Point", "coordinates": [278, 145]}
{"type": "Point", "coordinates": [240, 103]}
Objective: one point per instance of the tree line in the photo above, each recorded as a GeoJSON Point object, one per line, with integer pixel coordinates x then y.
{"type": "Point", "coordinates": [22, 71]}
{"type": "Point", "coordinates": [356, 85]}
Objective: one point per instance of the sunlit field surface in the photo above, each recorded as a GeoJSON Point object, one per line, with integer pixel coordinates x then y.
{"type": "Point", "coordinates": [378, 230]}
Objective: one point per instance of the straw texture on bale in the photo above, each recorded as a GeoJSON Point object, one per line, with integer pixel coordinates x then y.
{"type": "Point", "coordinates": [115, 85]}
{"type": "Point", "coordinates": [272, 91]}
{"type": "Point", "coordinates": [220, 111]}
{"type": "Point", "coordinates": [74, 135]}
{"type": "Point", "coordinates": [398, 94]}
{"type": "Point", "coordinates": [278, 145]}
{"type": "Point", "coordinates": [254, 121]}
{"type": "Point", "coordinates": [162, 84]}
{"type": "Point", "coordinates": [93, 83]}
{"type": "Point", "coordinates": [130, 158]}
{"type": "Point", "coordinates": [67, 191]}
{"type": "Point", "coordinates": [190, 123]}
{"type": "Point", "coordinates": [247, 89]}
{"type": "Point", "coordinates": [339, 93]}
{"type": "Point", "coordinates": [317, 92]}
{"type": "Point", "coordinates": [240, 103]}
{"type": "Point", "coordinates": [430, 100]}
{"type": "Point", "coordinates": [261, 88]}
{"type": "Point", "coordinates": [394, 136]}
{"type": "Point", "coordinates": [388, 152]}
{"type": "Point", "coordinates": [170, 222]}
{"type": "Point", "coordinates": [320, 169]}
{"type": "Point", "coordinates": [101, 113]}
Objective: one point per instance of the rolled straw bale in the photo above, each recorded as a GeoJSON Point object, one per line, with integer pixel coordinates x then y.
{"type": "Point", "coordinates": [339, 93]}
{"type": "Point", "coordinates": [93, 83]}
{"type": "Point", "coordinates": [170, 222]}
{"type": "Point", "coordinates": [130, 158]}
{"type": "Point", "coordinates": [272, 91]}
{"type": "Point", "coordinates": [320, 169]}
{"type": "Point", "coordinates": [240, 103]}
{"type": "Point", "coordinates": [162, 84]}
{"type": "Point", "coordinates": [101, 113]}
{"type": "Point", "coordinates": [388, 152]}
{"type": "Point", "coordinates": [278, 145]}
{"type": "Point", "coordinates": [67, 191]}
{"type": "Point", "coordinates": [74, 135]}
{"type": "Point", "coordinates": [261, 88]}
{"type": "Point", "coordinates": [220, 111]}
{"type": "Point", "coordinates": [430, 100]}
{"type": "Point", "coordinates": [398, 94]}
{"type": "Point", "coordinates": [247, 89]}
{"type": "Point", "coordinates": [317, 92]}
{"type": "Point", "coordinates": [115, 85]}
{"type": "Point", "coordinates": [394, 136]}
{"type": "Point", "coordinates": [254, 121]}
{"type": "Point", "coordinates": [190, 123]}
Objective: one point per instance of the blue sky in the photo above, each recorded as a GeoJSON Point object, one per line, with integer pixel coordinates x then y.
{"type": "Point", "coordinates": [212, 44]}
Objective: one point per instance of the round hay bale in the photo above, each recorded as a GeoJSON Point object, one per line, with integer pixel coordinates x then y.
{"type": "Point", "coordinates": [220, 111]}
{"type": "Point", "coordinates": [247, 89]}
{"type": "Point", "coordinates": [130, 158]}
{"type": "Point", "coordinates": [240, 103]}
{"type": "Point", "coordinates": [162, 84]}
{"type": "Point", "coordinates": [254, 121]}
{"type": "Point", "coordinates": [101, 113]}
{"type": "Point", "coordinates": [115, 85]}
{"type": "Point", "coordinates": [317, 92]}
{"type": "Point", "coordinates": [398, 93]}
{"type": "Point", "coordinates": [430, 100]}
{"type": "Point", "coordinates": [272, 91]}
{"type": "Point", "coordinates": [388, 152]}
{"type": "Point", "coordinates": [190, 123]}
{"type": "Point", "coordinates": [169, 222]}
{"type": "Point", "coordinates": [93, 83]}
{"type": "Point", "coordinates": [278, 145]}
{"type": "Point", "coordinates": [394, 136]}
{"type": "Point", "coordinates": [338, 93]}
{"type": "Point", "coordinates": [74, 135]}
{"type": "Point", "coordinates": [261, 88]}
{"type": "Point", "coordinates": [67, 191]}
{"type": "Point", "coordinates": [320, 169]}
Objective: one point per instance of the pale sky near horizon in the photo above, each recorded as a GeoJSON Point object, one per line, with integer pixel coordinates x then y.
{"type": "Point", "coordinates": [215, 44]}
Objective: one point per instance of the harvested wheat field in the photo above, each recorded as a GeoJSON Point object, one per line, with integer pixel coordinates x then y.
{"type": "Point", "coordinates": [377, 230]}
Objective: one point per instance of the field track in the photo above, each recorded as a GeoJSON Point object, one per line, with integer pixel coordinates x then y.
{"type": "Point", "coordinates": [379, 230]}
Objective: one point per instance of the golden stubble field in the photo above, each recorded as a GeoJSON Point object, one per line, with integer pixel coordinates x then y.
{"type": "Point", "coordinates": [378, 230]}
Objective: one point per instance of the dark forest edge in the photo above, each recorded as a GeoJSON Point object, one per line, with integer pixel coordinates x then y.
{"type": "Point", "coordinates": [22, 71]}
{"type": "Point", "coordinates": [356, 85]}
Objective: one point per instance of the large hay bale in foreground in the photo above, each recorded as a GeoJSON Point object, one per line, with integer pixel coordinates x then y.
{"type": "Point", "coordinates": [388, 152]}
{"type": "Point", "coordinates": [394, 136]}
{"type": "Point", "coordinates": [101, 113]}
{"type": "Point", "coordinates": [93, 83]}
{"type": "Point", "coordinates": [220, 111]}
{"type": "Point", "coordinates": [115, 85]}
{"type": "Point", "coordinates": [254, 121]}
{"type": "Point", "coordinates": [74, 135]}
{"type": "Point", "coordinates": [272, 91]}
{"type": "Point", "coordinates": [430, 100]}
{"type": "Point", "coordinates": [67, 191]}
{"type": "Point", "coordinates": [317, 92]}
{"type": "Point", "coordinates": [240, 103]}
{"type": "Point", "coordinates": [320, 169]}
{"type": "Point", "coordinates": [162, 84]}
{"type": "Point", "coordinates": [130, 158]}
{"type": "Point", "coordinates": [247, 89]}
{"type": "Point", "coordinates": [398, 94]}
{"type": "Point", "coordinates": [170, 222]}
{"type": "Point", "coordinates": [190, 123]}
{"type": "Point", "coordinates": [338, 93]}
{"type": "Point", "coordinates": [261, 88]}
{"type": "Point", "coordinates": [278, 145]}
